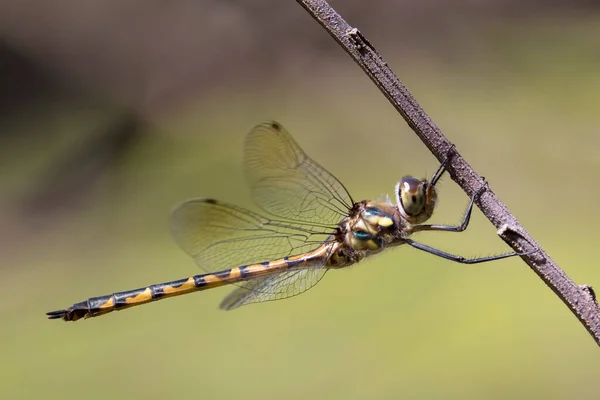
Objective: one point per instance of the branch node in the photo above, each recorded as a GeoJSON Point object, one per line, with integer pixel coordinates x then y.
{"type": "Point", "coordinates": [589, 291]}
{"type": "Point", "coordinates": [358, 40]}
{"type": "Point", "coordinates": [507, 231]}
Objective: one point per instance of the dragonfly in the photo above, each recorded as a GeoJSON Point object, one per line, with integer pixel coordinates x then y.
{"type": "Point", "coordinates": [310, 225]}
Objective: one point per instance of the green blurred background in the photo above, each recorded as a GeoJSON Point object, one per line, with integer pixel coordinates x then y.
{"type": "Point", "coordinates": [113, 112]}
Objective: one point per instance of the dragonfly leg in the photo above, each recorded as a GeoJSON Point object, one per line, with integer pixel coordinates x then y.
{"type": "Point", "coordinates": [459, 259]}
{"type": "Point", "coordinates": [442, 168]}
{"type": "Point", "coordinates": [454, 228]}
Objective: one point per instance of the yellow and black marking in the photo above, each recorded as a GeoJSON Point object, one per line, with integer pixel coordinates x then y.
{"type": "Point", "coordinates": [96, 306]}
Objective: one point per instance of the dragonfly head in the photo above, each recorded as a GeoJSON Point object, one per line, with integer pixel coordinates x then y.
{"type": "Point", "coordinates": [416, 199]}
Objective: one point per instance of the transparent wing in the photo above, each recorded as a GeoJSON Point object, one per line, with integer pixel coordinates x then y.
{"type": "Point", "coordinates": [286, 183]}
{"type": "Point", "coordinates": [275, 287]}
{"type": "Point", "coordinates": [220, 236]}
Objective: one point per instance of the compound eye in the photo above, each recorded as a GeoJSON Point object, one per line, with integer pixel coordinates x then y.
{"type": "Point", "coordinates": [411, 195]}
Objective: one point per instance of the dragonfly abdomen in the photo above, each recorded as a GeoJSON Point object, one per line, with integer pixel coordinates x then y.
{"type": "Point", "coordinates": [101, 305]}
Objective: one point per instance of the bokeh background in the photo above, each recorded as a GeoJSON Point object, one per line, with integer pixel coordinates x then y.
{"type": "Point", "coordinates": [113, 112]}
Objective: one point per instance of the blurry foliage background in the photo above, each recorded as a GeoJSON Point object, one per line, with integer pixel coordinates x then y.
{"type": "Point", "coordinates": [113, 112]}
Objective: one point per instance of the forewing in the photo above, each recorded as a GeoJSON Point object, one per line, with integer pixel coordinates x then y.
{"type": "Point", "coordinates": [275, 287]}
{"type": "Point", "coordinates": [287, 183]}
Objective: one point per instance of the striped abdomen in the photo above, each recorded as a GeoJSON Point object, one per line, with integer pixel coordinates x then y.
{"type": "Point", "coordinates": [97, 306]}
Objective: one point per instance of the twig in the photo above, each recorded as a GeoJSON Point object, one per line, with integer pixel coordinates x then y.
{"type": "Point", "coordinates": [580, 299]}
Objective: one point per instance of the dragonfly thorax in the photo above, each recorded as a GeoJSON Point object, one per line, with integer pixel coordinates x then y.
{"type": "Point", "coordinates": [373, 225]}
{"type": "Point", "coordinates": [368, 229]}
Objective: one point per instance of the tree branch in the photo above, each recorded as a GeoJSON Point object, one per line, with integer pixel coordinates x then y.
{"type": "Point", "coordinates": [580, 299]}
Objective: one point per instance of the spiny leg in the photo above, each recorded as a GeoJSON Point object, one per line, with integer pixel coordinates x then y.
{"type": "Point", "coordinates": [460, 259]}
{"type": "Point", "coordinates": [455, 228]}
{"type": "Point", "coordinates": [458, 228]}
{"type": "Point", "coordinates": [442, 168]}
